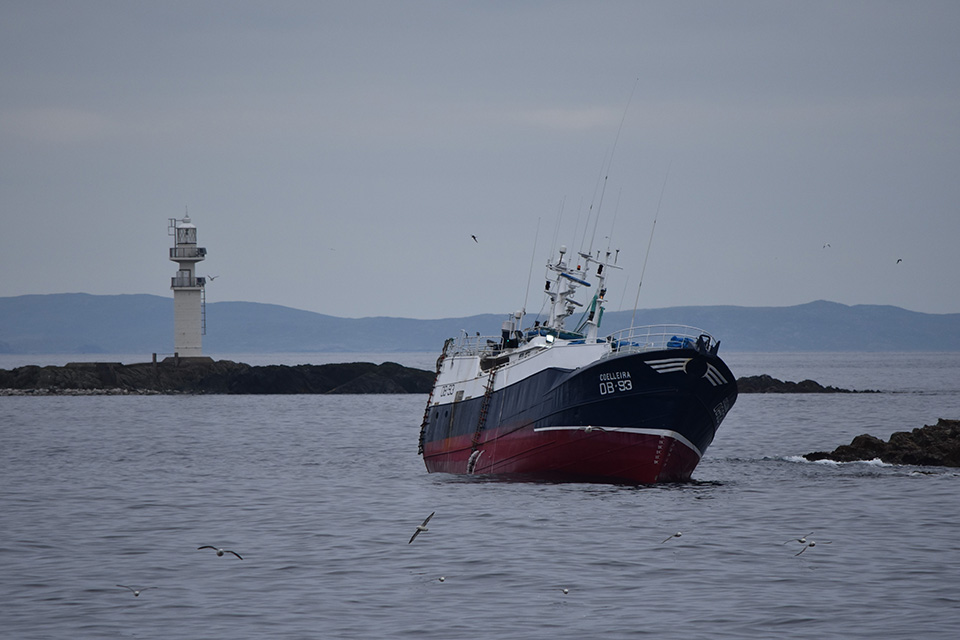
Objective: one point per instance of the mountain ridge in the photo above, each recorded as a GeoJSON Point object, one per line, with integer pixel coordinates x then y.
{"type": "Point", "coordinates": [132, 323]}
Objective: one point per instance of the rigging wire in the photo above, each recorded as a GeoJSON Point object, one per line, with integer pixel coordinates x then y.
{"type": "Point", "coordinates": [533, 257]}
{"type": "Point", "coordinates": [610, 161]}
{"type": "Point", "coordinates": [556, 230]}
{"type": "Point", "coordinates": [649, 243]}
{"type": "Point", "coordinates": [613, 223]}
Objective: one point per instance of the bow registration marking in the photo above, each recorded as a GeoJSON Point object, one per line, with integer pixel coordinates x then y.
{"type": "Point", "coordinates": [615, 381]}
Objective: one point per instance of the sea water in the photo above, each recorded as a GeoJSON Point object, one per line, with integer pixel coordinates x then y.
{"type": "Point", "coordinates": [321, 494]}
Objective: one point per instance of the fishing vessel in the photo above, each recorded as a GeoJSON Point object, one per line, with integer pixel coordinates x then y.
{"type": "Point", "coordinates": [637, 406]}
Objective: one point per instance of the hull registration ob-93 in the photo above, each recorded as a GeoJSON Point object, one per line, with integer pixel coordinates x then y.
{"type": "Point", "coordinates": [637, 406]}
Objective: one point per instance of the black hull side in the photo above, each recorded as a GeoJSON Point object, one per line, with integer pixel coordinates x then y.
{"type": "Point", "coordinates": [678, 390]}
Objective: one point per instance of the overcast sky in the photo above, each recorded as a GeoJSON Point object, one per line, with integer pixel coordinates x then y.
{"type": "Point", "coordinates": [338, 156]}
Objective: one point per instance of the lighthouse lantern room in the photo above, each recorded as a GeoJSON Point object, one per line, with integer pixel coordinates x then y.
{"type": "Point", "coordinates": [188, 289]}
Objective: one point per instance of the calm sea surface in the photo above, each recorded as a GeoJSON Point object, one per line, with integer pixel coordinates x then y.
{"type": "Point", "coordinates": [320, 495]}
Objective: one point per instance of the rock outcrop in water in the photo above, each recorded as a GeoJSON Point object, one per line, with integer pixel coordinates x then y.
{"type": "Point", "coordinates": [931, 445]}
{"type": "Point", "coordinates": [766, 384]}
{"type": "Point", "coordinates": [203, 375]}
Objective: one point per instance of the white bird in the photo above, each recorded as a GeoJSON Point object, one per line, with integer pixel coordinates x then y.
{"type": "Point", "coordinates": [136, 592]}
{"type": "Point", "coordinates": [802, 540]}
{"type": "Point", "coordinates": [676, 535]}
{"type": "Point", "coordinates": [220, 551]}
{"type": "Point", "coordinates": [442, 578]}
{"type": "Point", "coordinates": [565, 591]}
{"type": "Point", "coordinates": [421, 527]}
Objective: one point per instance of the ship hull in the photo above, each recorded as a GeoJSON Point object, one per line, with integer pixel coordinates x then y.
{"type": "Point", "coordinates": [637, 418]}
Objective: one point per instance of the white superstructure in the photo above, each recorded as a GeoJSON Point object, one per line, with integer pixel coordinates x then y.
{"type": "Point", "coordinates": [188, 293]}
{"type": "Point", "coordinates": [473, 366]}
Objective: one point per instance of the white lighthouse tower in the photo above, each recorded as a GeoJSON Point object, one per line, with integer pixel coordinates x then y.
{"type": "Point", "coordinates": [188, 293]}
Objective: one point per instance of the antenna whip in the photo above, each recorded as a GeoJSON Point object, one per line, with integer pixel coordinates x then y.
{"type": "Point", "coordinates": [649, 244]}
{"type": "Point", "coordinates": [530, 274]}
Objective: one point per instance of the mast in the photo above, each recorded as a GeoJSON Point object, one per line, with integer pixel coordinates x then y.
{"type": "Point", "coordinates": [591, 323]}
{"type": "Point", "coordinates": [561, 290]}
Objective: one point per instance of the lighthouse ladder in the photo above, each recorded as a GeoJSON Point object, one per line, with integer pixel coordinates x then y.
{"type": "Point", "coordinates": [426, 413]}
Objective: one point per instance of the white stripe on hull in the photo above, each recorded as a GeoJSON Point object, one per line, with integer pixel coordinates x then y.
{"type": "Point", "coordinates": [714, 376]}
{"type": "Point", "coordinates": [669, 365]}
{"type": "Point", "coordinates": [648, 432]}
{"type": "Point", "coordinates": [676, 365]}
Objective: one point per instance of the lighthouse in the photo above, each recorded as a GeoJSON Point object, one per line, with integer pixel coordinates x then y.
{"type": "Point", "coordinates": [188, 292]}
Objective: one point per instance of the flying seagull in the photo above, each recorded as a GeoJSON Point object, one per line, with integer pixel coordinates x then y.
{"type": "Point", "coordinates": [475, 239]}
{"type": "Point", "coordinates": [899, 260]}
{"type": "Point", "coordinates": [212, 278]}
{"type": "Point", "coordinates": [136, 592]}
{"type": "Point", "coordinates": [812, 543]}
{"type": "Point", "coordinates": [676, 535]}
{"type": "Point", "coordinates": [802, 540]}
{"type": "Point", "coordinates": [219, 551]}
{"type": "Point", "coordinates": [421, 527]}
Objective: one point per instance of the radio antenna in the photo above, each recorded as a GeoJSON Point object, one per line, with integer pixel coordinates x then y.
{"type": "Point", "coordinates": [649, 244]}
{"type": "Point", "coordinates": [556, 230]}
{"type": "Point", "coordinates": [530, 274]}
{"type": "Point", "coordinates": [610, 162]}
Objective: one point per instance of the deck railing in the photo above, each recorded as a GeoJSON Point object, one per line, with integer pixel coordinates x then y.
{"type": "Point", "coordinates": [632, 340]}
{"type": "Point", "coordinates": [660, 336]}
{"type": "Point", "coordinates": [188, 252]}
{"type": "Point", "coordinates": [189, 283]}
{"type": "Point", "coordinates": [475, 345]}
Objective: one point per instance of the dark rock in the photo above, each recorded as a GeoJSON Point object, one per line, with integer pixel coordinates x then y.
{"type": "Point", "coordinates": [931, 445]}
{"type": "Point", "coordinates": [220, 377]}
{"type": "Point", "coordinates": [767, 384]}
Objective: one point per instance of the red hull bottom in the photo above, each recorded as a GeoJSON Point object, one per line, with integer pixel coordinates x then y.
{"type": "Point", "coordinates": [571, 453]}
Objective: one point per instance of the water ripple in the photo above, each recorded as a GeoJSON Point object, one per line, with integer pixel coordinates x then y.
{"type": "Point", "coordinates": [320, 496]}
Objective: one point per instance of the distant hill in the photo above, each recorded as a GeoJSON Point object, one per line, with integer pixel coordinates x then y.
{"type": "Point", "coordinates": [82, 323]}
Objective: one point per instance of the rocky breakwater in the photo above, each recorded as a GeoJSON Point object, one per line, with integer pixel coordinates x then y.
{"type": "Point", "coordinates": [930, 445]}
{"type": "Point", "coordinates": [767, 384]}
{"type": "Point", "coordinates": [204, 375]}
{"type": "Point", "coordinates": [208, 376]}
